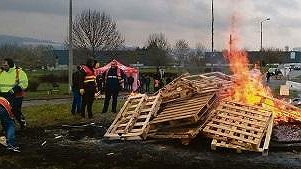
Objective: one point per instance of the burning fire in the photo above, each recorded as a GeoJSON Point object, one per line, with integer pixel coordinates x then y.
{"type": "Point", "coordinates": [248, 84]}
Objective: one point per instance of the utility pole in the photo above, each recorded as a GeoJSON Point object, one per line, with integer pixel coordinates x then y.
{"type": "Point", "coordinates": [212, 34]}
{"type": "Point", "coordinates": [70, 68]}
{"type": "Point", "coordinates": [267, 19]}
{"type": "Point", "coordinates": [230, 43]}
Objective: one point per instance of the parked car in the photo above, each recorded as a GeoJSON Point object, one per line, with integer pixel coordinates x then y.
{"type": "Point", "coordinates": [297, 68]}
{"type": "Point", "coordinates": [274, 71]}
{"type": "Point", "coordinates": [296, 101]}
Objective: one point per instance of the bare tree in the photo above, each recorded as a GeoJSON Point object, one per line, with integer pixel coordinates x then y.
{"type": "Point", "coordinates": [200, 50]}
{"type": "Point", "coordinates": [157, 40]}
{"type": "Point", "coordinates": [93, 31]}
{"type": "Point", "coordinates": [157, 49]}
{"type": "Point", "coordinates": [181, 51]}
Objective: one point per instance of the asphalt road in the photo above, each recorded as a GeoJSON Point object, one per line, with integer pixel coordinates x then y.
{"type": "Point", "coordinates": [45, 102]}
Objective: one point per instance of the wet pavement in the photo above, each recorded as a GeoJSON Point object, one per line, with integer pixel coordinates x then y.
{"type": "Point", "coordinates": [34, 102]}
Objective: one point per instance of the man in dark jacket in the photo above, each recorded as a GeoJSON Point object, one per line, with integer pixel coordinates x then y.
{"type": "Point", "coordinates": [87, 87]}
{"type": "Point", "coordinates": [114, 77]}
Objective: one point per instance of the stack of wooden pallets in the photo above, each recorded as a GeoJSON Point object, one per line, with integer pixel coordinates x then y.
{"type": "Point", "coordinates": [193, 104]}
{"type": "Point", "coordinates": [182, 119]}
{"type": "Point", "coordinates": [240, 126]}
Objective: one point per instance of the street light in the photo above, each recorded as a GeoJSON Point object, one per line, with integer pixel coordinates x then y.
{"type": "Point", "coordinates": [267, 19]}
{"type": "Point", "coordinates": [212, 34]}
{"type": "Point", "coordinates": [70, 68]}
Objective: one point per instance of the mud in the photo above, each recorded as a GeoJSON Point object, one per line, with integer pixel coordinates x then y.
{"type": "Point", "coordinates": [82, 146]}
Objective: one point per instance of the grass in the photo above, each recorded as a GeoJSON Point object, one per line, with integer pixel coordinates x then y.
{"type": "Point", "coordinates": [53, 115]}
{"type": "Point", "coordinates": [45, 91]}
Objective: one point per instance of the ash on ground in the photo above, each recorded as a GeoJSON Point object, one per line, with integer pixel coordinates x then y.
{"type": "Point", "coordinates": [287, 132]}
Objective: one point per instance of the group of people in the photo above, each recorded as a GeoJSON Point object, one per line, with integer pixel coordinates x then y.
{"type": "Point", "coordinates": [13, 82]}
{"type": "Point", "coordinates": [85, 85]}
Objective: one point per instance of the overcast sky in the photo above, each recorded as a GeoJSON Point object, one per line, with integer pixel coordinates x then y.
{"type": "Point", "coordinates": [177, 19]}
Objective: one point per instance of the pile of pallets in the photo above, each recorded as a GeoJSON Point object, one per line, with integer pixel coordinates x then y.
{"type": "Point", "coordinates": [193, 104]}
{"type": "Point", "coordinates": [182, 119]}
{"type": "Point", "coordinates": [179, 111]}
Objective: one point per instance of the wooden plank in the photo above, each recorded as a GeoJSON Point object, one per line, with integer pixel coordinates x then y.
{"type": "Point", "coordinates": [185, 134]}
{"type": "Point", "coordinates": [268, 137]}
{"type": "Point", "coordinates": [238, 125]}
{"type": "Point", "coordinates": [256, 110]}
{"type": "Point", "coordinates": [219, 143]}
{"type": "Point", "coordinates": [134, 115]}
{"type": "Point", "coordinates": [255, 124]}
{"type": "Point", "coordinates": [240, 114]}
{"type": "Point", "coordinates": [234, 131]}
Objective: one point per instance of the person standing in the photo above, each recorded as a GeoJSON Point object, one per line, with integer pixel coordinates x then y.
{"type": "Point", "coordinates": [77, 98]}
{"type": "Point", "coordinates": [142, 84]}
{"type": "Point", "coordinates": [99, 82]}
{"type": "Point", "coordinates": [268, 76]}
{"type": "Point", "coordinates": [7, 119]}
{"type": "Point", "coordinates": [87, 87]}
{"type": "Point", "coordinates": [114, 77]}
{"type": "Point", "coordinates": [168, 80]}
{"type": "Point", "coordinates": [156, 84]}
{"type": "Point", "coordinates": [130, 82]}
{"type": "Point", "coordinates": [11, 77]}
{"type": "Point", "coordinates": [147, 84]}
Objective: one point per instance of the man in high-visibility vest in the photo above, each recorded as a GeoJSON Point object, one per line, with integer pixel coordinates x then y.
{"type": "Point", "coordinates": [114, 77]}
{"type": "Point", "coordinates": [14, 77]}
{"type": "Point", "coordinates": [87, 87]}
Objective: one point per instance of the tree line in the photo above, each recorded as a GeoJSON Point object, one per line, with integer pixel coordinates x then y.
{"type": "Point", "coordinates": [94, 31]}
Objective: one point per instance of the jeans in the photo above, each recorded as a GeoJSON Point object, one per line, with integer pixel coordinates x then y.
{"type": "Point", "coordinates": [9, 127]}
{"type": "Point", "coordinates": [77, 101]}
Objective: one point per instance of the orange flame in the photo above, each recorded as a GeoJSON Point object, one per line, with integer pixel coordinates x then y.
{"type": "Point", "coordinates": [248, 83]}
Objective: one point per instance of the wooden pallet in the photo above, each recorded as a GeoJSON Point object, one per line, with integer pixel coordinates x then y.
{"type": "Point", "coordinates": [180, 89]}
{"type": "Point", "coordinates": [239, 124]}
{"type": "Point", "coordinates": [177, 79]}
{"type": "Point", "coordinates": [184, 134]}
{"type": "Point", "coordinates": [134, 125]}
{"type": "Point", "coordinates": [184, 111]}
{"type": "Point", "coordinates": [264, 146]}
{"type": "Point", "coordinates": [212, 82]}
